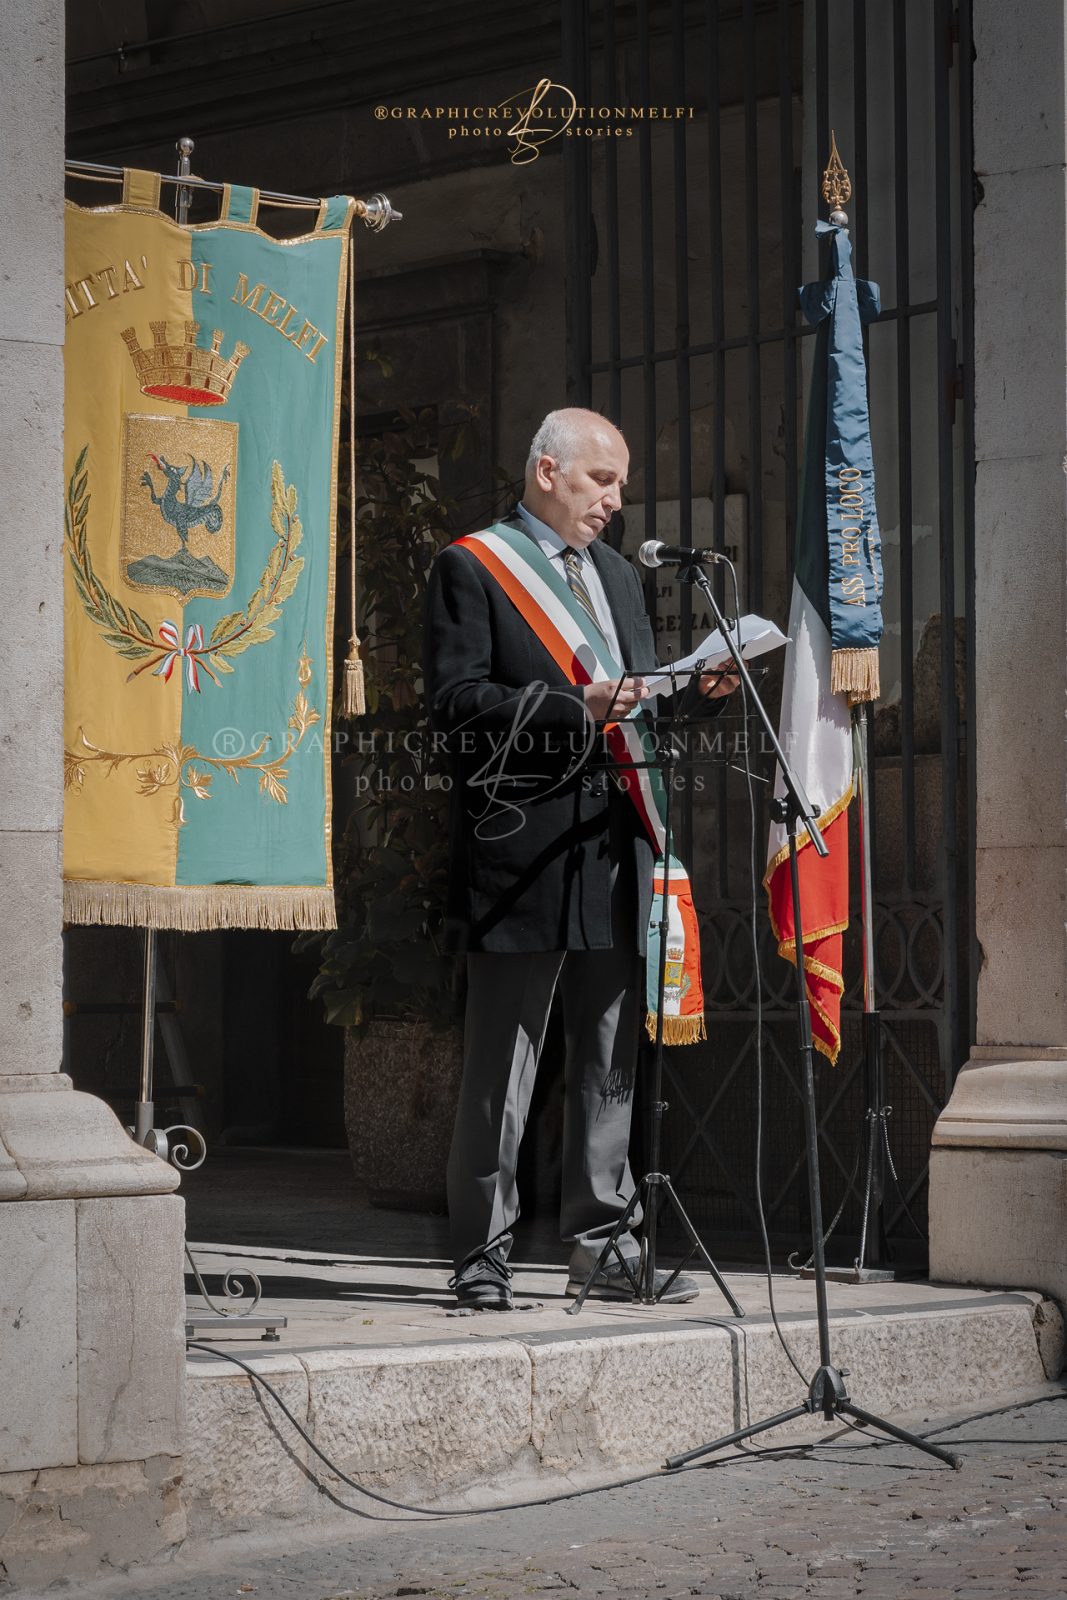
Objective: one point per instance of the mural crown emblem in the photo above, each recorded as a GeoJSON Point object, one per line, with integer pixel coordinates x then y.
{"type": "Point", "coordinates": [181, 370]}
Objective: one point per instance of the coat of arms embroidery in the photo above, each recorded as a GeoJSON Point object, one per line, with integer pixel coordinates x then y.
{"type": "Point", "coordinates": [178, 505]}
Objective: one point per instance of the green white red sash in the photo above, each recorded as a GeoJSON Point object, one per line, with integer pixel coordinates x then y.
{"type": "Point", "coordinates": [540, 594]}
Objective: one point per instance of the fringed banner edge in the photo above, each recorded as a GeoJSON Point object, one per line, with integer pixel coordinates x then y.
{"type": "Point", "coordinates": [198, 908]}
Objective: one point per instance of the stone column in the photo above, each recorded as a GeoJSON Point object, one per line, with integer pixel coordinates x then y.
{"type": "Point", "coordinates": [91, 1302]}
{"type": "Point", "coordinates": [998, 1186]}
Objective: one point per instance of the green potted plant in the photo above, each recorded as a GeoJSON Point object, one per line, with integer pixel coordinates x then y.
{"type": "Point", "coordinates": [384, 974]}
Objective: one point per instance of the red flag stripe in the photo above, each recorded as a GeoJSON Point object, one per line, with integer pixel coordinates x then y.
{"type": "Point", "coordinates": [824, 903]}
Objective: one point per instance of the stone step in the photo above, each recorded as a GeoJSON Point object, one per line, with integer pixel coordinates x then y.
{"type": "Point", "coordinates": [466, 1420]}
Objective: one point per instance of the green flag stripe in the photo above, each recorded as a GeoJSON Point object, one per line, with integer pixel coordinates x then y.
{"type": "Point", "coordinates": [811, 555]}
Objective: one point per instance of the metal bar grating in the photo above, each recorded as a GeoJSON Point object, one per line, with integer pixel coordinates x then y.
{"type": "Point", "coordinates": [685, 245]}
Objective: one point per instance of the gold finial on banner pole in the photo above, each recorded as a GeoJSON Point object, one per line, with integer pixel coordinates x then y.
{"type": "Point", "coordinates": [836, 185]}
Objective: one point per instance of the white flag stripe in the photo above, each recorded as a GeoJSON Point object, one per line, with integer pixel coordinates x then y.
{"type": "Point", "coordinates": [815, 727]}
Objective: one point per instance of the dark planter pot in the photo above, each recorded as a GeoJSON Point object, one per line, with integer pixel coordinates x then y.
{"type": "Point", "coordinates": [401, 1089]}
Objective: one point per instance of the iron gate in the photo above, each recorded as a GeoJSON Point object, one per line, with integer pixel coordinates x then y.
{"type": "Point", "coordinates": [686, 241]}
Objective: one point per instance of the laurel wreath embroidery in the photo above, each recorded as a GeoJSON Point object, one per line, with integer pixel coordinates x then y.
{"type": "Point", "coordinates": [127, 632]}
{"type": "Point", "coordinates": [175, 764]}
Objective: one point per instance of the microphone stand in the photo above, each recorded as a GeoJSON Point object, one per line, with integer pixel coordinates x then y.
{"type": "Point", "coordinates": [827, 1393]}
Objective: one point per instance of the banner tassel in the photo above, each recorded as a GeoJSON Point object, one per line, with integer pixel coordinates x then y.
{"type": "Point", "coordinates": [855, 673]}
{"type": "Point", "coordinates": [353, 688]}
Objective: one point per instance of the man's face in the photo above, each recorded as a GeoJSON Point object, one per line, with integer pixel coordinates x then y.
{"type": "Point", "coordinates": [582, 496]}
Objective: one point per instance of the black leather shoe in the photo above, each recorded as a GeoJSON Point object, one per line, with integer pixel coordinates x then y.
{"type": "Point", "coordinates": [484, 1281]}
{"type": "Point", "coordinates": [612, 1283]}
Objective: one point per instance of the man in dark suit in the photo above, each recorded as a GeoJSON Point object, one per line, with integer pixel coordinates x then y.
{"type": "Point", "coordinates": [551, 869]}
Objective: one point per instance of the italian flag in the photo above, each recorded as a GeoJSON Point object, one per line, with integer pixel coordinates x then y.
{"type": "Point", "coordinates": [816, 734]}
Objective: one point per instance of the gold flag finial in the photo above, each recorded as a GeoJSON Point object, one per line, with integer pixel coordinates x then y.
{"type": "Point", "coordinates": [836, 185]}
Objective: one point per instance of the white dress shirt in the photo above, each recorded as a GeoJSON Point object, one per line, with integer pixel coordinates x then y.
{"type": "Point", "coordinates": [554, 549]}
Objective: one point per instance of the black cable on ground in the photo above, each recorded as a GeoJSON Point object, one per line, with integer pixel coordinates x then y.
{"type": "Point", "coordinates": [437, 1514]}
{"type": "Point", "coordinates": [419, 1513]}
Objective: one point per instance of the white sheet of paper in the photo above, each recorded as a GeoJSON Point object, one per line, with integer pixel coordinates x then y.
{"type": "Point", "coordinates": [757, 635]}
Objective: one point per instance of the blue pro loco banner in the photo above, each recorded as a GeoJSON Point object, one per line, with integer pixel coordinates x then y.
{"type": "Point", "coordinates": [839, 306]}
{"type": "Point", "coordinates": [203, 368]}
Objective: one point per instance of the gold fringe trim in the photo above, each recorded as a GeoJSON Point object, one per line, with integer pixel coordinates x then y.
{"type": "Point", "coordinates": [677, 1030]}
{"type": "Point", "coordinates": [819, 969]}
{"type": "Point", "coordinates": [195, 909]}
{"type": "Point", "coordinates": [353, 690]}
{"type": "Point", "coordinates": [855, 674]}
{"type": "Point", "coordinates": [825, 1050]}
{"type": "Point", "coordinates": [804, 839]}
{"type": "Point", "coordinates": [836, 980]}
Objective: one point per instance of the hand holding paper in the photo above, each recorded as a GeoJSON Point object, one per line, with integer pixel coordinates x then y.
{"type": "Point", "coordinates": [756, 634]}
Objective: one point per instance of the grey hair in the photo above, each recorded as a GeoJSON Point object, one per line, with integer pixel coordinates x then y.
{"type": "Point", "coordinates": [556, 437]}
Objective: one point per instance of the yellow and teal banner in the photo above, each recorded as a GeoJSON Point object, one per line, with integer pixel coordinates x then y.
{"type": "Point", "coordinates": [203, 375]}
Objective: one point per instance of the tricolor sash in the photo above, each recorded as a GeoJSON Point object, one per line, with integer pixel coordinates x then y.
{"type": "Point", "coordinates": [542, 597]}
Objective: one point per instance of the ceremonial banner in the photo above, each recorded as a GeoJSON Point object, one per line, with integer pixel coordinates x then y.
{"type": "Point", "coordinates": [203, 370]}
{"type": "Point", "coordinates": [835, 624]}
{"type": "Point", "coordinates": [839, 306]}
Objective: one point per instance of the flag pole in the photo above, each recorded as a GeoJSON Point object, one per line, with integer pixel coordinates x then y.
{"type": "Point", "coordinates": [862, 692]}
{"type": "Point", "coordinates": [876, 1130]}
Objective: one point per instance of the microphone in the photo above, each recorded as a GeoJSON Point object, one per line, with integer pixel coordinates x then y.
{"type": "Point", "coordinates": [654, 554]}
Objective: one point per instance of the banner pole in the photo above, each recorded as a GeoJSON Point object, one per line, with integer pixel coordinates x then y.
{"type": "Point", "coordinates": [144, 1112]}
{"type": "Point", "coordinates": [177, 1152]}
{"type": "Point", "coordinates": [876, 1133]}
{"type": "Point", "coordinates": [377, 211]}
{"type": "Point", "coordinates": [183, 196]}
{"type": "Point", "coordinates": [353, 690]}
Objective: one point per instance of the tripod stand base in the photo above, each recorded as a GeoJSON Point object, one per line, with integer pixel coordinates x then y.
{"type": "Point", "coordinates": [643, 1276]}
{"type": "Point", "coordinates": [826, 1395]}
{"type": "Point", "coordinates": [852, 1274]}
{"type": "Point", "coordinates": [196, 1322]}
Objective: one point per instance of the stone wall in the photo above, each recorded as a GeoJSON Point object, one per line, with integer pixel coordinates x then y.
{"type": "Point", "coordinates": [998, 1200]}
{"type": "Point", "coordinates": [91, 1294]}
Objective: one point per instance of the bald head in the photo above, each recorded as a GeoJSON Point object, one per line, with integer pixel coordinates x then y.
{"type": "Point", "coordinates": [563, 433]}
{"type": "Point", "coordinates": [575, 473]}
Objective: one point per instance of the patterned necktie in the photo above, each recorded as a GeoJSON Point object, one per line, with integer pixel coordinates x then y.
{"type": "Point", "coordinates": [576, 583]}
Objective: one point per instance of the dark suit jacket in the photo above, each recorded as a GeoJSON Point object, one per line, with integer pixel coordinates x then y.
{"type": "Point", "coordinates": [535, 831]}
